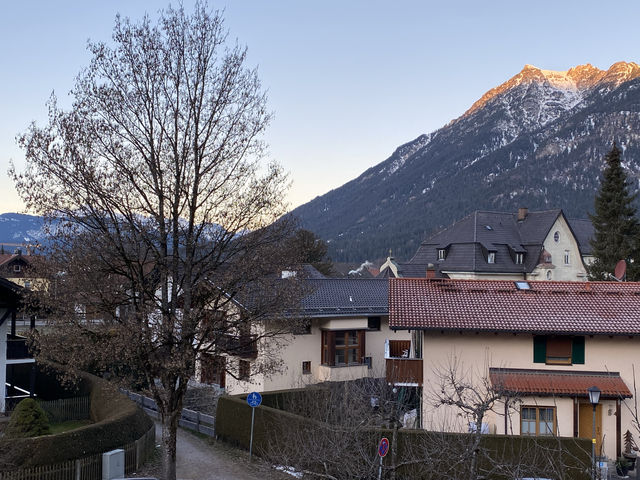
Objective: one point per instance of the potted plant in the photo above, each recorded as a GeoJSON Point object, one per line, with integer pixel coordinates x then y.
{"type": "Point", "coordinates": [622, 466]}
{"type": "Point", "coordinates": [630, 449]}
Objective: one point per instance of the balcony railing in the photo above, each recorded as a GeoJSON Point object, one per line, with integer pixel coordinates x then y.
{"type": "Point", "coordinates": [244, 346]}
{"type": "Point", "coordinates": [406, 371]}
{"type": "Point", "coordinates": [17, 348]}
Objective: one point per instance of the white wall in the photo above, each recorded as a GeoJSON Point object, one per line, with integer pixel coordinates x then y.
{"type": "Point", "coordinates": [477, 353]}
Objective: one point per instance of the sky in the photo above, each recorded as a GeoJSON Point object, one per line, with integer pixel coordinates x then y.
{"type": "Point", "coordinates": [348, 81]}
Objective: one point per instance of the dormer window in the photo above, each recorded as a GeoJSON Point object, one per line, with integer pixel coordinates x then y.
{"type": "Point", "coordinates": [491, 257]}
{"type": "Point", "coordinates": [442, 254]}
{"type": "Point", "coordinates": [519, 258]}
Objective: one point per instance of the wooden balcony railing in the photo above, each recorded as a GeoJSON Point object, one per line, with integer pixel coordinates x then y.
{"type": "Point", "coordinates": [404, 370]}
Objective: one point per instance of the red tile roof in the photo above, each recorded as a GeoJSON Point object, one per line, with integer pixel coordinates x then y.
{"type": "Point", "coordinates": [558, 383]}
{"type": "Point", "coordinates": [598, 308]}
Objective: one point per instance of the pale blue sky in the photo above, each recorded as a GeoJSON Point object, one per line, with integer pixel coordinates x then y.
{"type": "Point", "coordinates": [348, 81]}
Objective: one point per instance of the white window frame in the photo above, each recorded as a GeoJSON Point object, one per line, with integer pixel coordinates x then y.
{"type": "Point", "coordinates": [442, 254]}
{"type": "Point", "coordinates": [491, 257]}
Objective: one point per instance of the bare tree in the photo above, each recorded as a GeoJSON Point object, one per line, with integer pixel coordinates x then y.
{"type": "Point", "coordinates": [162, 212]}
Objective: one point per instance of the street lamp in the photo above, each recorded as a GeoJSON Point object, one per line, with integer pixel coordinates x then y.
{"type": "Point", "coordinates": [594, 398]}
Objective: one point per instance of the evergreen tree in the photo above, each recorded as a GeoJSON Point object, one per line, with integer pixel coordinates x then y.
{"type": "Point", "coordinates": [312, 250]}
{"type": "Point", "coordinates": [615, 223]}
{"type": "Point", "coordinates": [28, 420]}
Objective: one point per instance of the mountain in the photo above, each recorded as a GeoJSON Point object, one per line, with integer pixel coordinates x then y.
{"type": "Point", "coordinates": [19, 229]}
{"type": "Point", "coordinates": [537, 141]}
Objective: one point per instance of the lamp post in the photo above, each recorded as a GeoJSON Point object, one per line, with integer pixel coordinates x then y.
{"type": "Point", "coordinates": [594, 398]}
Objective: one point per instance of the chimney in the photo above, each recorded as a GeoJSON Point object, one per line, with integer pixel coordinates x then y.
{"type": "Point", "coordinates": [522, 213]}
{"type": "Point", "coordinates": [431, 271]}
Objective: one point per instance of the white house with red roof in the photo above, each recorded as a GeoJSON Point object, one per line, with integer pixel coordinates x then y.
{"type": "Point", "coordinates": [540, 344]}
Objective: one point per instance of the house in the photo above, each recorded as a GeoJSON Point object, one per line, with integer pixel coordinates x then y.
{"type": "Point", "coordinates": [14, 354]}
{"type": "Point", "coordinates": [540, 345]}
{"type": "Point", "coordinates": [500, 246]}
{"type": "Point", "coordinates": [341, 337]}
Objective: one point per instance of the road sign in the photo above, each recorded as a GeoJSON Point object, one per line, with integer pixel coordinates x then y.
{"type": "Point", "coordinates": [383, 447]}
{"type": "Point", "coordinates": [254, 399]}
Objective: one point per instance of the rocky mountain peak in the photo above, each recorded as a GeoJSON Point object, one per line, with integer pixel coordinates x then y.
{"type": "Point", "coordinates": [577, 79]}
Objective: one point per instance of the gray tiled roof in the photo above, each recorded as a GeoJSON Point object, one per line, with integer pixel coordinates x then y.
{"type": "Point", "coordinates": [346, 296]}
{"type": "Point", "coordinates": [583, 230]}
{"type": "Point", "coordinates": [468, 241]}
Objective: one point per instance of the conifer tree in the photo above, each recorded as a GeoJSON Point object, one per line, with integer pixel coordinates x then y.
{"type": "Point", "coordinates": [614, 221]}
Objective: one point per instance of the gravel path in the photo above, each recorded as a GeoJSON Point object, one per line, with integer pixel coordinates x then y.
{"type": "Point", "coordinates": [205, 459]}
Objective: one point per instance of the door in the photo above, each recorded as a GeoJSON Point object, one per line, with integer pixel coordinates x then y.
{"type": "Point", "coordinates": [585, 424]}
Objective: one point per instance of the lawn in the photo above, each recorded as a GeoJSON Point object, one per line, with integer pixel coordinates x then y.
{"type": "Point", "coordinates": [69, 425]}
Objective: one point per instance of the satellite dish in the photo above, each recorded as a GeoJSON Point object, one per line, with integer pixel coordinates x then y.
{"type": "Point", "coordinates": [621, 270]}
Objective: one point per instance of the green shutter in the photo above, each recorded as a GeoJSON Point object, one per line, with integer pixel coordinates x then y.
{"type": "Point", "coordinates": [577, 350]}
{"type": "Point", "coordinates": [539, 349]}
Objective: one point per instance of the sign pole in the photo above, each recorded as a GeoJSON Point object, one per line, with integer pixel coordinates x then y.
{"type": "Point", "coordinates": [253, 414]}
{"type": "Point", "coordinates": [383, 449]}
{"type": "Point", "coordinates": [254, 399]}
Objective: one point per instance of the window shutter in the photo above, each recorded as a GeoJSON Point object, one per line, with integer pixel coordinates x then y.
{"type": "Point", "coordinates": [361, 345]}
{"type": "Point", "coordinates": [539, 349]}
{"type": "Point", "coordinates": [577, 354]}
{"type": "Point", "coordinates": [331, 339]}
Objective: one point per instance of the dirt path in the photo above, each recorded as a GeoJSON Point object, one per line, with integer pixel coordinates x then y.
{"type": "Point", "coordinates": [205, 459]}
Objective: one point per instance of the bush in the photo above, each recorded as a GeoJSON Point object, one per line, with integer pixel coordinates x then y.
{"type": "Point", "coordinates": [28, 420]}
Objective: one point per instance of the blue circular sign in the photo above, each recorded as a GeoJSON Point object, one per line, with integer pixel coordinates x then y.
{"type": "Point", "coordinates": [383, 447]}
{"type": "Point", "coordinates": [254, 399]}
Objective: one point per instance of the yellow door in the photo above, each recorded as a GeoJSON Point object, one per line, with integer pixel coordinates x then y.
{"type": "Point", "coordinates": [585, 423]}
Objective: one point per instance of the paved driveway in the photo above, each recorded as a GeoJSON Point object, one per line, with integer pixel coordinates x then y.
{"type": "Point", "coordinates": [205, 459]}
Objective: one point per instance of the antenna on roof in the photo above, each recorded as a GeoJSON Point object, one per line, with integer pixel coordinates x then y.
{"type": "Point", "coordinates": [620, 272]}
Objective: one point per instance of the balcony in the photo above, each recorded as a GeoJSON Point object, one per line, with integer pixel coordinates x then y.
{"type": "Point", "coordinates": [400, 369]}
{"type": "Point", "coordinates": [243, 346]}
{"type": "Point", "coordinates": [404, 371]}
{"type": "Point", "coordinates": [17, 348]}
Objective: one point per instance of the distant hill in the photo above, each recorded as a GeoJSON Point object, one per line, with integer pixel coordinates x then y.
{"type": "Point", "coordinates": [536, 141]}
{"type": "Point", "coordinates": [20, 229]}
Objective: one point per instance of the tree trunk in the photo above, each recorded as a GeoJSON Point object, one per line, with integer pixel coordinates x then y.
{"type": "Point", "coordinates": [169, 437]}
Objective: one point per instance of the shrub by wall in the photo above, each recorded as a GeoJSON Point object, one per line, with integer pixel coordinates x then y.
{"type": "Point", "coordinates": [435, 451]}
{"type": "Point", "coordinates": [117, 421]}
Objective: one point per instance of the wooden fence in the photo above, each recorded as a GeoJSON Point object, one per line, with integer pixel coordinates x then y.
{"type": "Point", "coordinates": [190, 419]}
{"type": "Point", "coordinates": [65, 409]}
{"type": "Point", "coordinates": [88, 468]}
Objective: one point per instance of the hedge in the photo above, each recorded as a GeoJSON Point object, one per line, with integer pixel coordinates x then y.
{"type": "Point", "coordinates": [117, 421]}
{"type": "Point", "coordinates": [233, 425]}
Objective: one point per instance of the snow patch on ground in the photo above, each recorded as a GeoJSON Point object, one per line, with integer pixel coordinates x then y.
{"type": "Point", "coordinates": [289, 471]}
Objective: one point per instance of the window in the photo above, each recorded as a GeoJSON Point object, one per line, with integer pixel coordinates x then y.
{"type": "Point", "coordinates": [519, 258]}
{"type": "Point", "coordinates": [491, 257]}
{"type": "Point", "coordinates": [373, 323]}
{"type": "Point", "coordinates": [556, 237]}
{"type": "Point", "coordinates": [558, 350]}
{"type": "Point", "coordinates": [212, 369]}
{"type": "Point", "coordinates": [567, 258]}
{"type": "Point", "coordinates": [16, 268]}
{"type": "Point", "coordinates": [306, 368]}
{"type": "Point", "coordinates": [537, 421]}
{"type": "Point", "coordinates": [442, 254]}
{"type": "Point", "coordinates": [548, 274]}
{"type": "Point", "coordinates": [244, 370]}
{"type": "Point", "coordinates": [340, 348]}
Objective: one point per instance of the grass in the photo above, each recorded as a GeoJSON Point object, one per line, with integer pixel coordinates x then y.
{"type": "Point", "coordinates": [69, 425]}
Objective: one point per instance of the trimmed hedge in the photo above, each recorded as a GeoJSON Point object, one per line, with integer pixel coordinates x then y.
{"type": "Point", "coordinates": [117, 421]}
{"type": "Point", "coordinates": [233, 425]}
